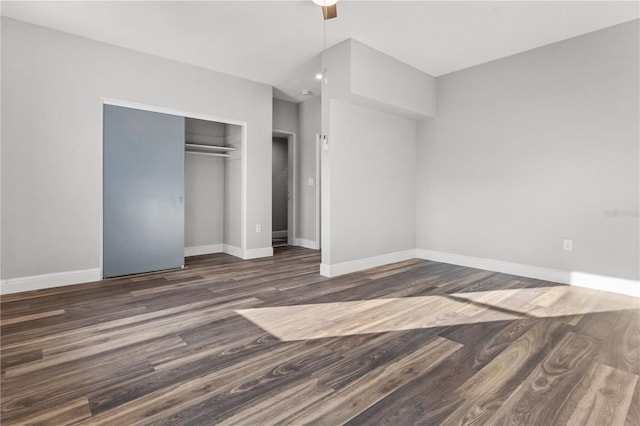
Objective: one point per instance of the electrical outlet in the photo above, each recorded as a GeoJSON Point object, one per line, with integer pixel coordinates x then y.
{"type": "Point", "coordinates": [258, 228]}
{"type": "Point", "coordinates": [567, 245]}
{"type": "Point", "coordinates": [310, 182]}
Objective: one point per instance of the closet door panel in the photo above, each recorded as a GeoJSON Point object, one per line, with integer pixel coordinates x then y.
{"type": "Point", "coordinates": [143, 215]}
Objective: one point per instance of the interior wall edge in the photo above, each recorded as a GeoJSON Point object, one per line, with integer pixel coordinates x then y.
{"type": "Point", "coordinates": [232, 250]}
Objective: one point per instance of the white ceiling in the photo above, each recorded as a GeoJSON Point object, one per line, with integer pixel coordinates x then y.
{"type": "Point", "coordinates": [278, 42]}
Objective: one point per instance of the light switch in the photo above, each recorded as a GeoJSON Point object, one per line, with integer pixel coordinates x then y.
{"type": "Point", "coordinates": [324, 142]}
{"type": "Point", "coordinates": [258, 228]}
{"type": "Point", "coordinates": [310, 182]}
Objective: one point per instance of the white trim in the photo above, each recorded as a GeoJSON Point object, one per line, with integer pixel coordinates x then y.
{"type": "Point", "coordinates": [279, 234]}
{"type": "Point", "coordinates": [318, 183]}
{"type": "Point", "coordinates": [301, 242]}
{"type": "Point", "coordinates": [244, 147]}
{"type": "Point", "coordinates": [546, 274]}
{"type": "Point", "coordinates": [257, 253]}
{"type": "Point", "coordinates": [366, 263]}
{"type": "Point", "coordinates": [186, 114]}
{"type": "Point", "coordinates": [58, 279]}
{"type": "Point", "coordinates": [199, 250]}
{"type": "Point", "coordinates": [578, 279]}
{"type": "Point", "coordinates": [600, 282]}
{"type": "Point", "coordinates": [325, 270]}
{"type": "Point", "coordinates": [247, 254]}
{"type": "Point", "coordinates": [170, 111]}
{"type": "Point", "coordinates": [232, 250]}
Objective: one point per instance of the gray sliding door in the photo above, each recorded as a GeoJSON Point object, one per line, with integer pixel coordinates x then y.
{"type": "Point", "coordinates": [143, 191]}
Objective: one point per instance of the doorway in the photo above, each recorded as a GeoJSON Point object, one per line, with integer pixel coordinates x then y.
{"type": "Point", "coordinates": [283, 190]}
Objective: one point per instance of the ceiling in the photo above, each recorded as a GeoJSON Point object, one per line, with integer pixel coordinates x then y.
{"type": "Point", "coordinates": [279, 42]}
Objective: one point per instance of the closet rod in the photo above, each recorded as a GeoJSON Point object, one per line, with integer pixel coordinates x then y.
{"type": "Point", "coordinates": [211, 147]}
{"type": "Point", "coordinates": [211, 154]}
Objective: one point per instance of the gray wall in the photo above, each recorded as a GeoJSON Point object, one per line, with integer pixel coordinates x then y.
{"type": "Point", "coordinates": [391, 83]}
{"type": "Point", "coordinates": [285, 116]}
{"type": "Point", "coordinates": [535, 148]}
{"type": "Point", "coordinates": [372, 182]}
{"type": "Point", "coordinates": [52, 84]}
{"type": "Point", "coordinates": [203, 189]}
{"type": "Point", "coordinates": [310, 125]}
{"type": "Point", "coordinates": [279, 185]}
{"type": "Point", "coordinates": [368, 172]}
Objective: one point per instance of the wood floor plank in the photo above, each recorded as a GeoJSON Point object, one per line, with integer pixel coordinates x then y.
{"type": "Point", "coordinates": [177, 397]}
{"type": "Point", "coordinates": [487, 390]}
{"type": "Point", "coordinates": [24, 318]}
{"type": "Point", "coordinates": [483, 341]}
{"type": "Point", "coordinates": [427, 400]}
{"type": "Point", "coordinates": [379, 351]}
{"type": "Point", "coordinates": [72, 412]}
{"type": "Point", "coordinates": [356, 397]}
{"type": "Point", "coordinates": [541, 396]}
{"type": "Point", "coordinates": [621, 348]}
{"type": "Point", "coordinates": [275, 410]}
{"type": "Point", "coordinates": [633, 415]}
{"type": "Point", "coordinates": [415, 342]}
{"type": "Point", "coordinates": [607, 399]}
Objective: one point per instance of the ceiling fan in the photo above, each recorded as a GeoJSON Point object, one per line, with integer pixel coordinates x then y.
{"type": "Point", "coordinates": [329, 8]}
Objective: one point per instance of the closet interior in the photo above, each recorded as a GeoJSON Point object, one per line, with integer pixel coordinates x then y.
{"type": "Point", "coordinates": [212, 184]}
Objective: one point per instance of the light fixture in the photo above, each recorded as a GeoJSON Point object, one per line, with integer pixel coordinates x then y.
{"type": "Point", "coordinates": [322, 75]}
{"type": "Point", "coordinates": [306, 92]}
{"type": "Point", "coordinates": [325, 2]}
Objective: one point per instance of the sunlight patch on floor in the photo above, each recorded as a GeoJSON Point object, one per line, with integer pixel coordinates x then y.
{"type": "Point", "coordinates": [315, 321]}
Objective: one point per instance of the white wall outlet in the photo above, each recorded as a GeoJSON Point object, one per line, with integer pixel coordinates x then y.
{"type": "Point", "coordinates": [310, 182]}
{"type": "Point", "coordinates": [258, 228]}
{"type": "Point", "coordinates": [567, 245]}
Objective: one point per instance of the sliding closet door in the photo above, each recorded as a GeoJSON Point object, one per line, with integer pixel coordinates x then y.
{"type": "Point", "coordinates": [143, 191]}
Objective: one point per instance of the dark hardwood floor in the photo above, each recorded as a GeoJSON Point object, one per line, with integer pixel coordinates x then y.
{"type": "Point", "coordinates": [270, 341]}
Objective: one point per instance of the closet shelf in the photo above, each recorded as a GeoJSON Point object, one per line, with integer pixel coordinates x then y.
{"type": "Point", "coordinates": [209, 147]}
{"type": "Point", "coordinates": [212, 154]}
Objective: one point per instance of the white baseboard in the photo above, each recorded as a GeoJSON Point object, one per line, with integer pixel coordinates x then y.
{"type": "Point", "coordinates": [366, 263]}
{"type": "Point", "coordinates": [259, 252]}
{"type": "Point", "coordinates": [578, 279]}
{"type": "Point", "coordinates": [599, 282]}
{"type": "Point", "coordinates": [232, 250]}
{"type": "Point", "coordinates": [325, 270]}
{"type": "Point", "coordinates": [39, 282]}
{"type": "Point", "coordinates": [280, 234]}
{"type": "Point", "coordinates": [247, 254]}
{"type": "Point", "coordinates": [301, 242]}
{"type": "Point", "coordinates": [199, 250]}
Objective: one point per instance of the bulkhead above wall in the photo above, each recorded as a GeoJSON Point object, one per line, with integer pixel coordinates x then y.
{"type": "Point", "coordinates": [359, 74]}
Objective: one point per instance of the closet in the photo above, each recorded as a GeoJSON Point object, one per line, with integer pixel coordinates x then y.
{"type": "Point", "coordinates": [212, 186]}
{"type": "Point", "coordinates": [171, 187]}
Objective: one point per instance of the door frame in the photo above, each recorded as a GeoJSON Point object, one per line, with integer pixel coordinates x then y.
{"type": "Point", "coordinates": [181, 113]}
{"type": "Point", "coordinates": [292, 170]}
